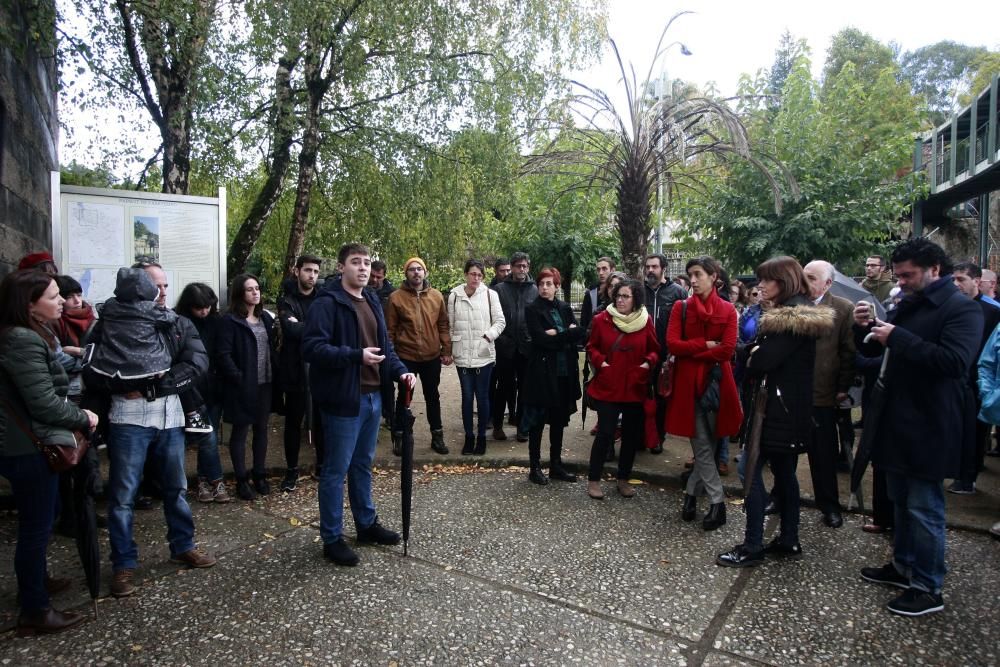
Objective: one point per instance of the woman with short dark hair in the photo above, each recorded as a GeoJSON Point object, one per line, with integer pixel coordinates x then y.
{"type": "Point", "coordinates": [781, 364]}
{"type": "Point", "coordinates": [33, 388]}
{"type": "Point", "coordinates": [622, 348]}
{"type": "Point", "coordinates": [199, 304]}
{"type": "Point", "coordinates": [552, 379]}
{"type": "Point", "coordinates": [244, 360]}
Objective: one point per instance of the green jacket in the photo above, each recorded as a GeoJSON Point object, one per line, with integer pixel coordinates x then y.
{"type": "Point", "coordinates": [880, 286]}
{"type": "Point", "coordinates": [34, 385]}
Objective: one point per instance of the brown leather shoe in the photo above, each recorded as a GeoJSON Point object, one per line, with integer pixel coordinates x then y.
{"type": "Point", "coordinates": [625, 489]}
{"type": "Point", "coordinates": [46, 622]}
{"type": "Point", "coordinates": [194, 558]}
{"type": "Point", "coordinates": [121, 583]}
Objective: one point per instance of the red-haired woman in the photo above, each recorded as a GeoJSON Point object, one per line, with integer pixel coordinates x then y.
{"type": "Point", "coordinates": [552, 381]}
{"type": "Point", "coordinates": [705, 404]}
{"type": "Point", "coordinates": [33, 390]}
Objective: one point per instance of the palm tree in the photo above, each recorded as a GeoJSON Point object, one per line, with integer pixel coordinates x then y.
{"type": "Point", "coordinates": [662, 145]}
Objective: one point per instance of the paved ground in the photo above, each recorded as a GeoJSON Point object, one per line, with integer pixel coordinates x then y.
{"type": "Point", "coordinates": [502, 571]}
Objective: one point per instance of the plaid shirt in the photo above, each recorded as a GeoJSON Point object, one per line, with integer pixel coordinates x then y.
{"type": "Point", "coordinates": [163, 413]}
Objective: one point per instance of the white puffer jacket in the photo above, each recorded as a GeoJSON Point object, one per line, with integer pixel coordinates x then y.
{"type": "Point", "coordinates": [475, 324]}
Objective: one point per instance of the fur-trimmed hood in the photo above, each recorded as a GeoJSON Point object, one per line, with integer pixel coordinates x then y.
{"type": "Point", "coordinates": [804, 320]}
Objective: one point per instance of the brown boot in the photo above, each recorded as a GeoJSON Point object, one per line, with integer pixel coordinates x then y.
{"type": "Point", "coordinates": [194, 558]}
{"type": "Point", "coordinates": [121, 583]}
{"type": "Point", "coordinates": [46, 622]}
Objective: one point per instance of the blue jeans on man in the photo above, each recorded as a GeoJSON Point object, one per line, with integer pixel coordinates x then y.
{"type": "Point", "coordinates": [349, 452]}
{"type": "Point", "coordinates": [209, 464]}
{"type": "Point", "coordinates": [128, 448]}
{"type": "Point", "coordinates": [918, 543]}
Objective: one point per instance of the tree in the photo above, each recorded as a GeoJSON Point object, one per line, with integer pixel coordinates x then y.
{"type": "Point", "coordinates": [155, 55]}
{"type": "Point", "coordinates": [384, 77]}
{"type": "Point", "coordinates": [789, 50]}
{"type": "Point", "coordinates": [982, 69]}
{"type": "Point", "coordinates": [940, 74]}
{"type": "Point", "coordinates": [869, 56]}
{"type": "Point", "coordinates": [847, 149]}
{"type": "Point", "coordinates": [660, 142]}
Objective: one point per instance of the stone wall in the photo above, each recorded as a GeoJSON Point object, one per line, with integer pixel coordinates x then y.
{"type": "Point", "coordinates": [29, 136]}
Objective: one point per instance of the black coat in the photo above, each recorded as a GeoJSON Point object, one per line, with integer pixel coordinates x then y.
{"type": "Point", "coordinates": [236, 358]}
{"type": "Point", "coordinates": [542, 386]}
{"type": "Point", "coordinates": [514, 299]}
{"type": "Point", "coordinates": [210, 384]}
{"type": "Point", "coordinates": [931, 350]}
{"type": "Point", "coordinates": [785, 351]}
{"type": "Point", "coordinates": [292, 304]}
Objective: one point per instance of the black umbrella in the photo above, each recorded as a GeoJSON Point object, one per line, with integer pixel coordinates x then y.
{"type": "Point", "coordinates": [845, 287]}
{"type": "Point", "coordinates": [586, 378]}
{"type": "Point", "coordinates": [872, 416]}
{"type": "Point", "coordinates": [403, 429]}
{"type": "Point", "coordinates": [752, 431]}
{"type": "Point", "coordinates": [86, 481]}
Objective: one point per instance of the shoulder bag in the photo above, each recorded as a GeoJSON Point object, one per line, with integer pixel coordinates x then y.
{"type": "Point", "coordinates": [62, 448]}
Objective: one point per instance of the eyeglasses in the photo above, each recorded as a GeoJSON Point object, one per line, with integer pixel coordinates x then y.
{"type": "Point", "coordinates": [623, 297]}
{"type": "Point", "coordinates": [873, 266]}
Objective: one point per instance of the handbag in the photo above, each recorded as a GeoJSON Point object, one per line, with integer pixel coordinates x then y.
{"type": "Point", "coordinates": [665, 380]}
{"type": "Point", "coordinates": [61, 448]}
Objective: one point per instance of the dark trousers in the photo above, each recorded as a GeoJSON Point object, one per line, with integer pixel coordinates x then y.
{"type": "Point", "coordinates": [494, 397]}
{"type": "Point", "coordinates": [786, 490]}
{"type": "Point", "coordinates": [607, 419]}
{"type": "Point", "coordinates": [555, 446]}
{"type": "Point", "coordinates": [823, 452]}
{"type": "Point", "coordinates": [510, 373]}
{"type": "Point", "coordinates": [35, 489]}
{"type": "Point", "coordinates": [429, 373]}
{"type": "Point", "coordinates": [883, 513]}
{"type": "Point", "coordinates": [295, 414]}
{"type": "Point", "coordinates": [974, 452]}
{"type": "Point", "coordinates": [238, 437]}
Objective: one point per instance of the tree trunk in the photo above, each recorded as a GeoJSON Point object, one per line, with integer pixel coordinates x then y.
{"type": "Point", "coordinates": [176, 151]}
{"type": "Point", "coordinates": [303, 193]}
{"type": "Point", "coordinates": [283, 121]}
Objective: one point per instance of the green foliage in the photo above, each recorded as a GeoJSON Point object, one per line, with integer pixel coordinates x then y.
{"type": "Point", "coordinates": [848, 149]}
{"type": "Point", "coordinates": [869, 56]}
{"type": "Point", "coordinates": [939, 74]}
{"type": "Point", "coordinates": [982, 70]}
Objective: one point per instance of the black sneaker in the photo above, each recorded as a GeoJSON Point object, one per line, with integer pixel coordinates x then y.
{"type": "Point", "coordinates": [779, 549]}
{"type": "Point", "coordinates": [290, 481]}
{"type": "Point", "coordinates": [740, 556]}
{"type": "Point", "coordinates": [377, 534]}
{"type": "Point", "coordinates": [340, 553]}
{"type": "Point", "coordinates": [887, 574]}
{"type": "Point", "coordinates": [914, 602]}
{"type": "Point", "coordinates": [195, 423]}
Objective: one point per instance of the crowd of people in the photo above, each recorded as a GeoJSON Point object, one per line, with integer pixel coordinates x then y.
{"type": "Point", "coordinates": [768, 362]}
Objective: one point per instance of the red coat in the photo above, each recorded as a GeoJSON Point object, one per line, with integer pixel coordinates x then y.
{"type": "Point", "coordinates": [623, 380]}
{"type": "Point", "coordinates": [713, 320]}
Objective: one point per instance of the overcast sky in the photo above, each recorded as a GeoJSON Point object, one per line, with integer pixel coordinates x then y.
{"type": "Point", "coordinates": [729, 37]}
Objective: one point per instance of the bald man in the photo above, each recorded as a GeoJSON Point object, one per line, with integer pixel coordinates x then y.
{"type": "Point", "coordinates": [833, 375]}
{"type": "Point", "coordinates": [988, 284]}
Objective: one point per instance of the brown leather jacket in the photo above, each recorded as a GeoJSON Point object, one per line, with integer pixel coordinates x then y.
{"type": "Point", "coordinates": [834, 369]}
{"type": "Point", "coordinates": [417, 321]}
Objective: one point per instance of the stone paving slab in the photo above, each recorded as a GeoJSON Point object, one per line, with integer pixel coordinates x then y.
{"type": "Point", "coordinates": [504, 572]}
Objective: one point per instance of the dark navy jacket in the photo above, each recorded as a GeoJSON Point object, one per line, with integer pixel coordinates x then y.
{"type": "Point", "coordinates": [332, 347]}
{"type": "Point", "coordinates": [931, 350]}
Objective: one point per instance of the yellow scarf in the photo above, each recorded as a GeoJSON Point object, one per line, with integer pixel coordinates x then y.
{"type": "Point", "coordinates": [634, 321]}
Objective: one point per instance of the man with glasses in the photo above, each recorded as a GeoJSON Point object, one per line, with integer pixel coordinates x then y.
{"type": "Point", "coordinates": [877, 279]}
{"type": "Point", "coordinates": [513, 344]}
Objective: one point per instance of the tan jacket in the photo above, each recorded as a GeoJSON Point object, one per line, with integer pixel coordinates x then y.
{"type": "Point", "coordinates": [417, 321]}
{"type": "Point", "coordinates": [835, 357]}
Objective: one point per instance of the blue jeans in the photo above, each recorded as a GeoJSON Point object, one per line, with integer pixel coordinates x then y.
{"type": "Point", "coordinates": [36, 489]}
{"type": "Point", "coordinates": [475, 385]}
{"type": "Point", "coordinates": [918, 545]}
{"type": "Point", "coordinates": [209, 465]}
{"type": "Point", "coordinates": [349, 444]}
{"type": "Point", "coordinates": [722, 450]}
{"type": "Point", "coordinates": [786, 487]}
{"type": "Point", "coordinates": [128, 447]}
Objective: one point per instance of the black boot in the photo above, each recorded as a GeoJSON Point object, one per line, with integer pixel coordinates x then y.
{"type": "Point", "coordinates": [437, 442]}
{"type": "Point", "coordinates": [480, 445]}
{"type": "Point", "coordinates": [689, 508]}
{"type": "Point", "coordinates": [261, 484]}
{"type": "Point", "coordinates": [244, 490]}
{"type": "Point", "coordinates": [535, 458]}
{"type": "Point", "coordinates": [556, 470]}
{"type": "Point", "coordinates": [716, 516]}
{"type": "Point", "coordinates": [469, 446]}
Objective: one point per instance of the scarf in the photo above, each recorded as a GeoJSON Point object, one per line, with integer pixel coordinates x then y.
{"type": "Point", "coordinates": [634, 321]}
{"type": "Point", "coordinates": [74, 324]}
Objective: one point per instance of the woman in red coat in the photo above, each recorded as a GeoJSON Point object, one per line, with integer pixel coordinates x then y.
{"type": "Point", "coordinates": [623, 348]}
{"type": "Point", "coordinates": [705, 405]}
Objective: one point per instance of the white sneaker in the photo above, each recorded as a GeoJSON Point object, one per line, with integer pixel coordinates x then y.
{"type": "Point", "coordinates": [995, 529]}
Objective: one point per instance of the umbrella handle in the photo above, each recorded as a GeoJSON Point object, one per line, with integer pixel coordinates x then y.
{"type": "Point", "coordinates": [407, 394]}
